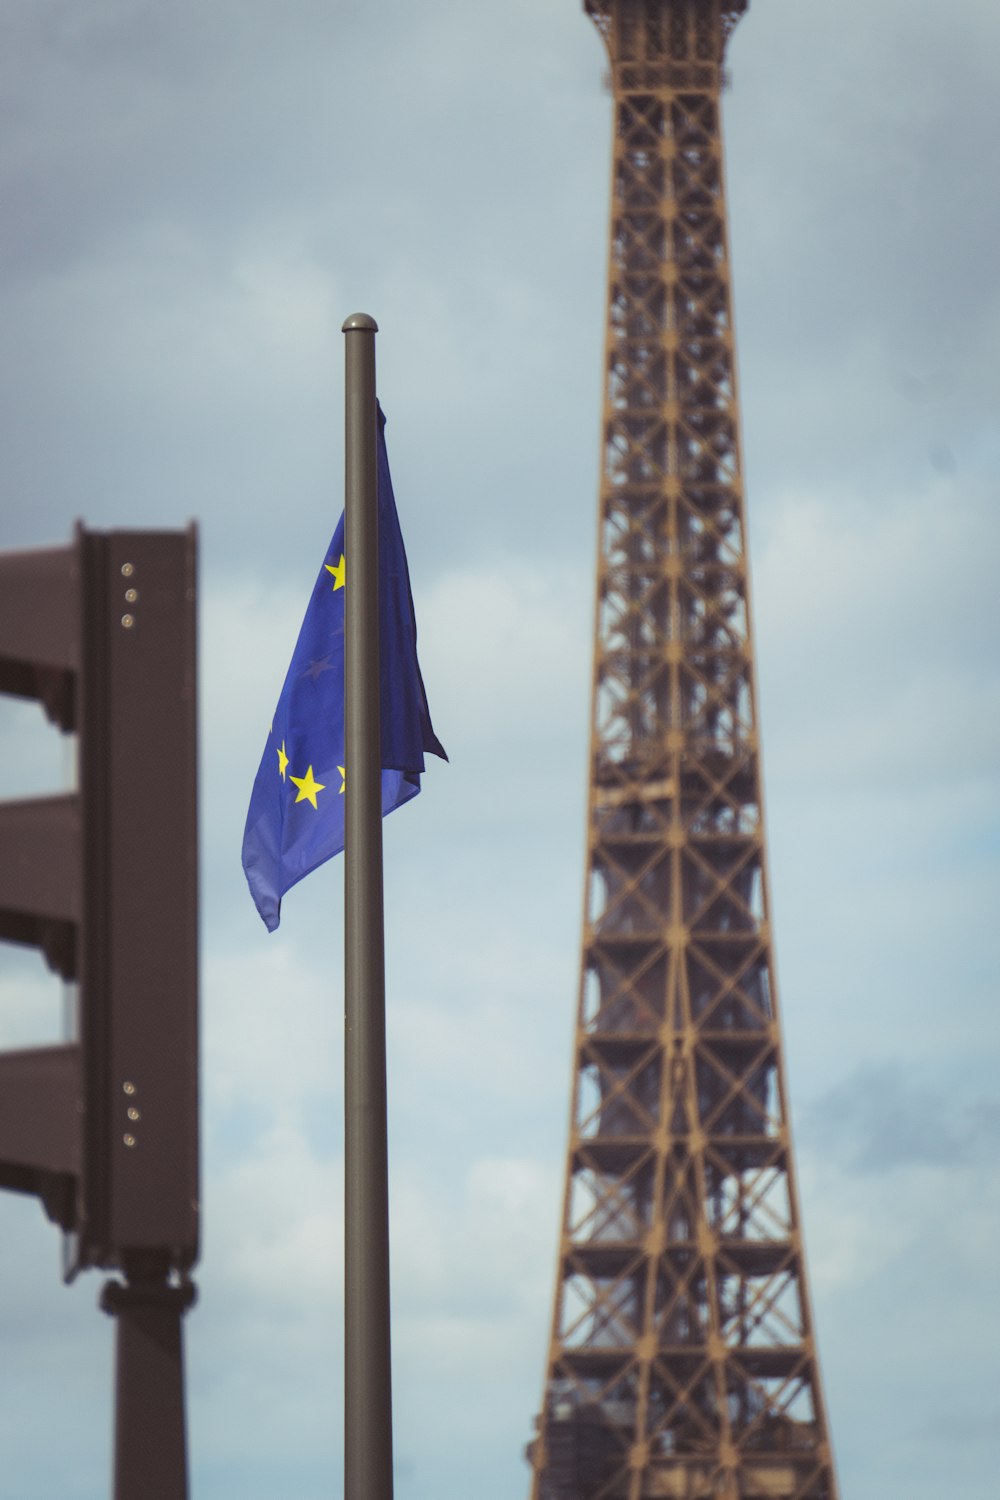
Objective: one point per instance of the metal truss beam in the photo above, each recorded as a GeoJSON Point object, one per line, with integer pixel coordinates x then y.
{"type": "Point", "coordinates": [682, 1361]}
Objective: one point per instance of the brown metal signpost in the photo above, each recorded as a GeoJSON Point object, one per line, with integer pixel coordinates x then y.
{"type": "Point", "coordinates": [103, 881]}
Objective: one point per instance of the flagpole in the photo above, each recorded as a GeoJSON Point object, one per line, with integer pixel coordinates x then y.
{"type": "Point", "coordinates": [367, 1359]}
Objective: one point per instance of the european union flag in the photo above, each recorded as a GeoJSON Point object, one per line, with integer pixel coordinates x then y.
{"type": "Point", "coordinates": [296, 817]}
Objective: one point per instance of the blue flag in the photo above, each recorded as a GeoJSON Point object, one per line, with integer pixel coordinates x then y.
{"type": "Point", "coordinates": [296, 817]}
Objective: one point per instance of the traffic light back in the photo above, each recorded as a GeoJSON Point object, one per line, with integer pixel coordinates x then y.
{"type": "Point", "coordinates": [103, 881]}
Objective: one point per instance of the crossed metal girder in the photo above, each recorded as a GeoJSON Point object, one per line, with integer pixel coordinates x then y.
{"type": "Point", "coordinates": [659, 31]}
{"type": "Point", "coordinates": [682, 1361]}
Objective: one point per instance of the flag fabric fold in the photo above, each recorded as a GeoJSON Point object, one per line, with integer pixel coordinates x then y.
{"type": "Point", "coordinates": [296, 817]}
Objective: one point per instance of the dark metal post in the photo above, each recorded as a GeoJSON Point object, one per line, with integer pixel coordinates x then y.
{"type": "Point", "coordinates": [367, 1359]}
{"type": "Point", "coordinates": [150, 1427]}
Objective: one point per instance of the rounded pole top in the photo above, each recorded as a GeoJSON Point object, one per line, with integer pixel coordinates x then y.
{"type": "Point", "coordinates": [359, 320]}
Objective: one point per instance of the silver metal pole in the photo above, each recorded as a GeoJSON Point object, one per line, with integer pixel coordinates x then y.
{"type": "Point", "coordinates": [367, 1355]}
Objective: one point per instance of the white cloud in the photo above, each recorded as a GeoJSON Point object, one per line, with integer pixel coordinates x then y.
{"type": "Point", "coordinates": [874, 636]}
{"type": "Point", "coordinates": [35, 1004]}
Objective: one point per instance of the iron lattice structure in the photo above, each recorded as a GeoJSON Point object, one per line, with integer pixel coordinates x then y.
{"type": "Point", "coordinates": [682, 1361]}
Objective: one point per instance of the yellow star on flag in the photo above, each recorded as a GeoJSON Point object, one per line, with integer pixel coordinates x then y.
{"type": "Point", "coordinates": [338, 570]}
{"type": "Point", "coordinates": [282, 761]}
{"type": "Point", "coordinates": [308, 787]}
{"type": "Point", "coordinates": [343, 781]}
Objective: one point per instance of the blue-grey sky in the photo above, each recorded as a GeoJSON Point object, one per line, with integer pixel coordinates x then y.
{"type": "Point", "coordinates": [194, 195]}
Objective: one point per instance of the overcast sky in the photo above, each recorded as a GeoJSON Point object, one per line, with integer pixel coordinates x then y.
{"type": "Point", "coordinates": [194, 195]}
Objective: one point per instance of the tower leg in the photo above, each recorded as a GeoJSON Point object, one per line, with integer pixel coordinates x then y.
{"type": "Point", "coordinates": [150, 1426]}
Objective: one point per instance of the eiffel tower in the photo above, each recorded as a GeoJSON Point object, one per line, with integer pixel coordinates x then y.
{"type": "Point", "coordinates": [682, 1362]}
